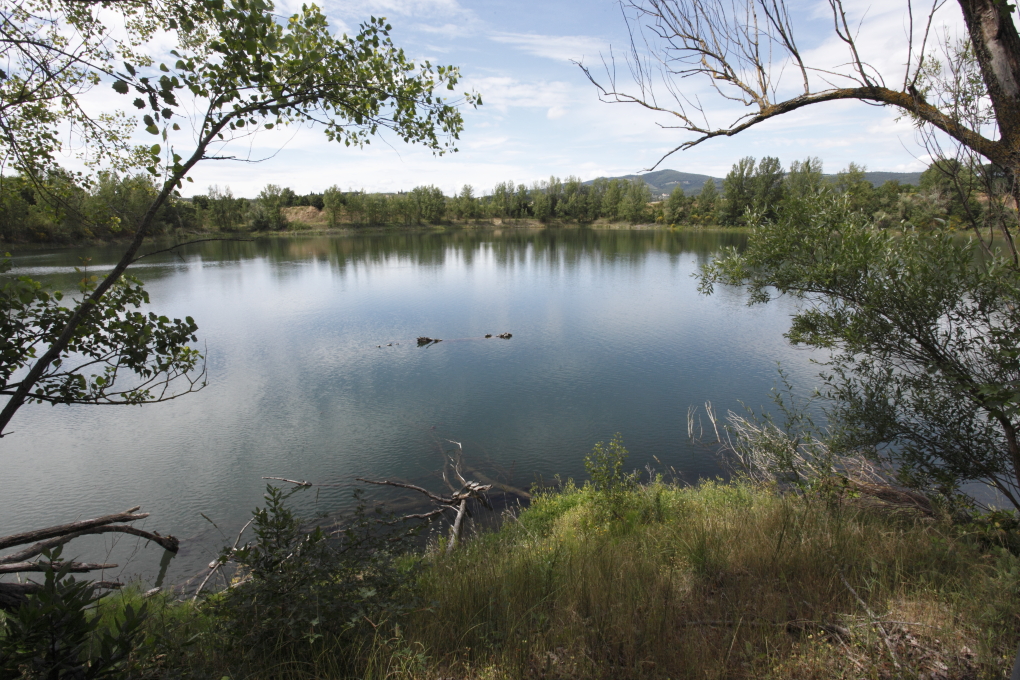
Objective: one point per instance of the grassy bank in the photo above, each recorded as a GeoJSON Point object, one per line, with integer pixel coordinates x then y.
{"type": "Point", "coordinates": [718, 581]}
{"type": "Point", "coordinates": [657, 581]}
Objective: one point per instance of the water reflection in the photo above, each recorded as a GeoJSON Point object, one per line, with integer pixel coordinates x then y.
{"type": "Point", "coordinates": [315, 374]}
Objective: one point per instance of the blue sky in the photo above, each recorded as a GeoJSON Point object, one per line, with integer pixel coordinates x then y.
{"type": "Point", "coordinates": [541, 117]}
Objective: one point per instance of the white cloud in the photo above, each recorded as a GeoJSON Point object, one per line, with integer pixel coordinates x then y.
{"type": "Point", "coordinates": [504, 92]}
{"type": "Point", "coordinates": [559, 47]}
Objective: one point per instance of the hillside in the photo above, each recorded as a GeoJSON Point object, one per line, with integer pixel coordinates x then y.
{"type": "Point", "coordinates": [664, 181]}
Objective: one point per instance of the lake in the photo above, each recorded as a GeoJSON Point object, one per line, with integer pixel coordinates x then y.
{"type": "Point", "coordinates": [314, 374]}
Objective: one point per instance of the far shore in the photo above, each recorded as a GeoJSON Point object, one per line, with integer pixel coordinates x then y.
{"type": "Point", "coordinates": [297, 228]}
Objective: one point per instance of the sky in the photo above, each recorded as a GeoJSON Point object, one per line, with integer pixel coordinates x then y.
{"type": "Point", "coordinates": [542, 117]}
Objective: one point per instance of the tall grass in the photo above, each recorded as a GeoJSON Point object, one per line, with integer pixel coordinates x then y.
{"type": "Point", "coordinates": [716, 581]}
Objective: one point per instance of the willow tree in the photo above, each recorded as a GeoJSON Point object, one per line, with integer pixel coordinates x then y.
{"type": "Point", "coordinates": [237, 70]}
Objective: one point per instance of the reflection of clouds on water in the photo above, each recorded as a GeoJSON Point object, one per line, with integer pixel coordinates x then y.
{"type": "Point", "coordinates": [609, 334]}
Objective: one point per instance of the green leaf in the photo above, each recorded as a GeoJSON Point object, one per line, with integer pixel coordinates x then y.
{"type": "Point", "coordinates": [120, 86]}
{"type": "Point", "coordinates": [155, 149]}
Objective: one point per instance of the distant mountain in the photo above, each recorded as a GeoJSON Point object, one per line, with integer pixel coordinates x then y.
{"type": "Point", "coordinates": [880, 178]}
{"type": "Point", "coordinates": [664, 181]}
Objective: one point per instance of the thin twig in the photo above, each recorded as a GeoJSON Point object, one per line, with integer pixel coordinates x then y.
{"type": "Point", "coordinates": [220, 562]}
{"type": "Point", "coordinates": [874, 619]}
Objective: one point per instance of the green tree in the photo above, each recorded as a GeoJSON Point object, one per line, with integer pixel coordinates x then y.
{"type": "Point", "coordinates": [429, 204]}
{"type": "Point", "coordinates": [333, 202]}
{"type": "Point", "coordinates": [678, 207]}
{"type": "Point", "coordinates": [612, 199]}
{"type": "Point", "coordinates": [706, 211]}
{"type": "Point", "coordinates": [465, 206]}
{"type": "Point", "coordinates": [859, 192]}
{"type": "Point", "coordinates": [925, 366]}
{"type": "Point", "coordinates": [236, 70]}
{"type": "Point", "coordinates": [956, 186]}
{"type": "Point", "coordinates": [542, 204]}
{"type": "Point", "coordinates": [738, 192]}
{"type": "Point", "coordinates": [805, 178]}
{"type": "Point", "coordinates": [224, 210]}
{"type": "Point", "coordinates": [267, 212]}
{"type": "Point", "coordinates": [634, 207]}
{"type": "Point", "coordinates": [767, 186]}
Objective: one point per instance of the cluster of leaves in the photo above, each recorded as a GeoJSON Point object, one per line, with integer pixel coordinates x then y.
{"type": "Point", "coordinates": [607, 479]}
{"type": "Point", "coordinates": [56, 633]}
{"type": "Point", "coordinates": [255, 73]}
{"type": "Point", "coordinates": [925, 372]}
{"type": "Point", "coordinates": [114, 338]}
{"type": "Point", "coordinates": [296, 586]}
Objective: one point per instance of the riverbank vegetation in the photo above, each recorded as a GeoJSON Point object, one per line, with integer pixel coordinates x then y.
{"type": "Point", "coordinates": [109, 207]}
{"type": "Point", "coordinates": [609, 579]}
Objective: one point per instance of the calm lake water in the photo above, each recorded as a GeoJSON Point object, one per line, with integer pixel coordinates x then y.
{"type": "Point", "coordinates": [609, 335]}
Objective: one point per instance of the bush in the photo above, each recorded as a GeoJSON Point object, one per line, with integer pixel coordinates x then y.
{"type": "Point", "coordinates": [58, 634]}
{"type": "Point", "coordinates": [296, 588]}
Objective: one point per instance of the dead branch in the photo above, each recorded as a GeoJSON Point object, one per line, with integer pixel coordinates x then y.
{"type": "Point", "coordinates": [40, 534]}
{"type": "Point", "coordinates": [741, 50]}
{"type": "Point", "coordinates": [214, 566]}
{"type": "Point", "coordinates": [874, 619]}
{"type": "Point", "coordinates": [290, 481]}
{"type": "Point", "coordinates": [766, 453]}
{"type": "Point", "coordinates": [13, 594]}
{"type": "Point", "coordinates": [455, 531]}
{"type": "Point", "coordinates": [77, 567]}
{"type": "Point", "coordinates": [457, 500]}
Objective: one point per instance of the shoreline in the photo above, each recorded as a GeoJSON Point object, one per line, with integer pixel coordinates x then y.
{"type": "Point", "coordinates": [349, 230]}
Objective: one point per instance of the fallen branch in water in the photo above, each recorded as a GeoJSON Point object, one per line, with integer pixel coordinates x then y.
{"type": "Point", "coordinates": [457, 501]}
{"type": "Point", "coordinates": [290, 481]}
{"type": "Point", "coordinates": [13, 594]}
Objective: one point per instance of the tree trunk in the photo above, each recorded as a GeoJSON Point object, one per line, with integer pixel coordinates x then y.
{"type": "Point", "coordinates": [997, 47]}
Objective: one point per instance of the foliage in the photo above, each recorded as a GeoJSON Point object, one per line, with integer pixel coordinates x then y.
{"type": "Point", "coordinates": [296, 586]}
{"type": "Point", "coordinates": [678, 207]}
{"type": "Point", "coordinates": [266, 213]}
{"type": "Point", "coordinates": [607, 478]}
{"type": "Point", "coordinates": [925, 370]}
{"type": "Point", "coordinates": [57, 634]}
{"type": "Point", "coordinates": [113, 339]}
{"type": "Point", "coordinates": [429, 205]}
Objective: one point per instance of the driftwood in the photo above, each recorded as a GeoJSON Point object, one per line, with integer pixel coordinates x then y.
{"type": "Point", "coordinates": [456, 502]}
{"type": "Point", "coordinates": [766, 453]}
{"type": "Point", "coordinates": [13, 594]}
{"type": "Point", "coordinates": [290, 481]}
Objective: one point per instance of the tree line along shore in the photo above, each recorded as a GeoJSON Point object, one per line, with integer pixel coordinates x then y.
{"type": "Point", "coordinates": [64, 212]}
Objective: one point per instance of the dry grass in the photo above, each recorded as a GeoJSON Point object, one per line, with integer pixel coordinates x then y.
{"type": "Point", "coordinates": [717, 581]}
